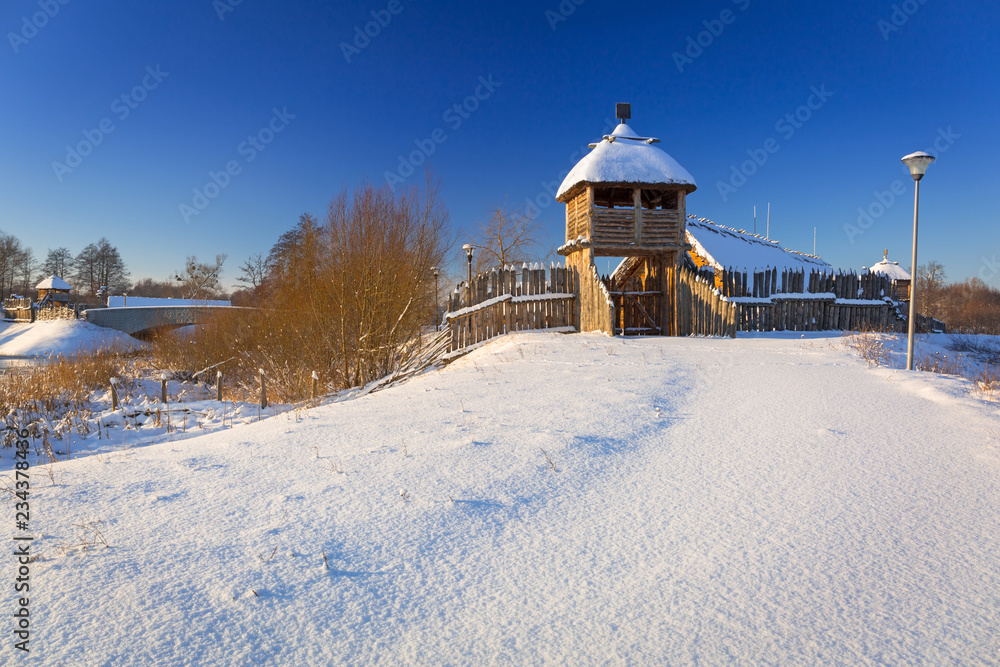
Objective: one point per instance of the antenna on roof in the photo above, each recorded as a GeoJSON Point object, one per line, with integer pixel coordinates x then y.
{"type": "Point", "coordinates": [623, 112]}
{"type": "Point", "coordinates": [769, 220]}
{"type": "Point", "coordinates": [755, 220]}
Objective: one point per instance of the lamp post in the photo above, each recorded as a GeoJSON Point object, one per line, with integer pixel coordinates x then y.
{"type": "Point", "coordinates": [469, 249]}
{"type": "Point", "coordinates": [437, 320]}
{"type": "Point", "coordinates": [917, 162]}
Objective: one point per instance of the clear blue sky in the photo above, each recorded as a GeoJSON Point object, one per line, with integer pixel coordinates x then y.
{"type": "Point", "coordinates": [895, 83]}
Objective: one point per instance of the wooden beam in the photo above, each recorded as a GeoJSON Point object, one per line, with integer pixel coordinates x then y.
{"type": "Point", "coordinates": [637, 206]}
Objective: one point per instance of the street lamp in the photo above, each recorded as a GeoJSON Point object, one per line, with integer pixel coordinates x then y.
{"type": "Point", "coordinates": [917, 162]}
{"type": "Point", "coordinates": [469, 249]}
{"type": "Point", "coordinates": [437, 320]}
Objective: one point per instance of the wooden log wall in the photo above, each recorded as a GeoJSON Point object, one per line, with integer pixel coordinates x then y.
{"type": "Point", "coordinates": [817, 315]}
{"type": "Point", "coordinates": [701, 308]}
{"type": "Point", "coordinates": [509, 313]}
{"type": "Point", "coordinates": [843, 285]}
{"type": "Point", "coordinates": [524, 281]}
{"type": "Point", "coordinates": [597, 310]}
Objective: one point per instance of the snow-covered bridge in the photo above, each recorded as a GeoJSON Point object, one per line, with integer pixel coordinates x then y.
{"type": "Point", "coordinates": [144, 320]}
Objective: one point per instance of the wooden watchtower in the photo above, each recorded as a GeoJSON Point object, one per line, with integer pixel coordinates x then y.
{"type": "Point", "coordinates": [626, 198]}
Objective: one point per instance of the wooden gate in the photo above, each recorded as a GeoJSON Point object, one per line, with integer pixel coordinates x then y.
{"type": "Point", "coordinates": [638, 299]}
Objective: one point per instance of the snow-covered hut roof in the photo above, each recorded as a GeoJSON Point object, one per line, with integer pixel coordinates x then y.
{"type": "Point", "coordinates": [625, 158]}
{"type": "Point", "coordinates": [891, 269]}
{"type": "Point", "coordinates": [727, 248]}
{"type": "Point", "coordinates": [53, 282]}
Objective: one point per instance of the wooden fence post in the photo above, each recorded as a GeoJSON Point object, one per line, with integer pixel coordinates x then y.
{"type": "Point", "coordinates": [312, 392]}
{"type": "Point", "coordinates": [218, 386]}
{"type": "Point", "coordinates": [263, 390]}
{"type": "Point", "coordinates": [114, 394]}
{"type": "Point", "coordinates": [163, 388]}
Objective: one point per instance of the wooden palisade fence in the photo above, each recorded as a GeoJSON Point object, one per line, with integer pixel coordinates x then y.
{"type": "Point", "coordinates": [509, 299]}
{"type": "Point", "coordinates": [816, 301]}
{"type": "Point", "coordinates": [701, 308]}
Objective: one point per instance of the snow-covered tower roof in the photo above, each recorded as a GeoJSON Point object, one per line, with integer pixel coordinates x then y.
{"type": "Point", "coordinates": [891, 269]}
{"type": "Point", "coordinates": [624, 159]}
{"type": "Point", "coordinates": [54, 282]}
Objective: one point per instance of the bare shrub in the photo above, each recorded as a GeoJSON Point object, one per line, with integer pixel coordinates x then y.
{"type": "Point", "coordinates": [940, 362]}
{"type": "Point", "coordinates": [987, 381]}
{"type": "Point", "coordinates": [345, 298]}
{"type": "Point", "coordinates": [870, 345]}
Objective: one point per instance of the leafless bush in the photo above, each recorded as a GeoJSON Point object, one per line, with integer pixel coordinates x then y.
{"type": "Point", "coordinates": [987, 381]}
{"type": "Point", "coordinates": [871, 347]}
{"type": "Point", "coordinates": [345, 298]}
{"type": "Point", "coordinates": [939, 362]}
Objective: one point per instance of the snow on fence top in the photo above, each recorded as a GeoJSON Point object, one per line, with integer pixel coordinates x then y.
{"type": "Point", "coordinates": [145, 302]}
{"type": "Point", "coordinates": [625, 157]}
{"type": "Point", "coordinates": [728, 248]}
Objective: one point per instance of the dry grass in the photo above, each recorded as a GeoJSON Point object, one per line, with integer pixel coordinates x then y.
{"type": "Point", "coordinates": [940, 362]}
{"type": "Point", "coordinates": [238, 344]}
{"type": "Point", "coordinates": [55, 395]}
{"type": "Point", "coordinates": [987, 381]}
{"type": "Point", "coordinates": [870, 345]}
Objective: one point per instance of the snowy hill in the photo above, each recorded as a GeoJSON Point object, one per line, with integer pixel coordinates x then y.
{"type": "Point", "coordinates": [69, 337]}
{"type": "Point", "coordinates": [760, 500]}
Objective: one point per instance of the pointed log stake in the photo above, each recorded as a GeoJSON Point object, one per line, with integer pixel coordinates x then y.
{"type": "Point", "coordinates": [218, 386]}
{"type": "Point", "coordinates": [263, 390]}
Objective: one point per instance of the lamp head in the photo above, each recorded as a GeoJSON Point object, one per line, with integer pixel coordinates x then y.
{"type": "Point", "coordinates": [917, 162]}
{"type": "Point", "coordinates": [469, 249]}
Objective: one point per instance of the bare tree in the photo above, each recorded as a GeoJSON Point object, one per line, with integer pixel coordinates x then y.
{"type": "Point", "coordinates": [200, 280]}
{"type": "Point", "coordinates": [58, 262]}
{"type": "Point", "coordinates": [253, 271]}
{"type": "Point", "coordinates": [930, 281]}
{"type": "Point", "coordinates": [14, 259]}
{"type": "Point", "coordinates": [508, 237]}
{"type": "Point", "coordinates": [157, 289]}
{"type": "Point", "coordinates": [100, 265]}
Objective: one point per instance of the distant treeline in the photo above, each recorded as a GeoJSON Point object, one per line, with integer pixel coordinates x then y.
{"type": "Point", "coordinates": [971, 307]}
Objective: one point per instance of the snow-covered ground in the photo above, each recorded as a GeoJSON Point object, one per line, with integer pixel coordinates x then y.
{"type": "Point", "coordinates": [545, 499]}
{"type": "Point", "coordinates": [69, 337]}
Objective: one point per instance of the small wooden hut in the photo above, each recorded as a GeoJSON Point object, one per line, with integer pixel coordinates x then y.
{"type": "Point", "coordinates": [53, 290]}
{"type": "Point", "coordinates": [626, 198]}
{"type": "Point", "coordinates": [892, 269]}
